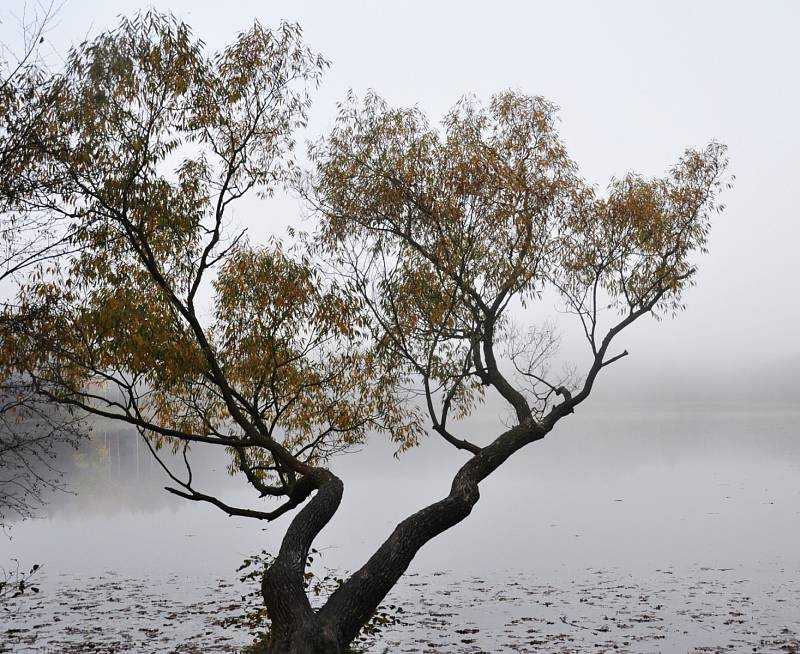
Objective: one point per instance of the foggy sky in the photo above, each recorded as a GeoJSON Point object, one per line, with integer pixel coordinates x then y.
{"type": "Point", "coordinates": [637, 83]}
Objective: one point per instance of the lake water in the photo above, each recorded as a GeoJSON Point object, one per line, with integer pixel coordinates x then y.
{"type": "Point", "coordinates": [644, 531]}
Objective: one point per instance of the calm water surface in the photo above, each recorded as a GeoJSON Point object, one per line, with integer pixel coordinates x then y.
{"type": "Point", "coordinates": [691, 509]}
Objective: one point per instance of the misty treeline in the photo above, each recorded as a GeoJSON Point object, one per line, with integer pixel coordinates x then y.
{"type": "Point", "coordinates": [412, 298]}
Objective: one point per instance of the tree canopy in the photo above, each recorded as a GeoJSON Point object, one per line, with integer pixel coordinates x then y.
{"type": "Point", "coordinates": [439, 232]}
{"type": "Point", "coordinates": [393, 316]}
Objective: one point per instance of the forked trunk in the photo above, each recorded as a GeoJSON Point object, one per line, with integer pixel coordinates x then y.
{"type": "Point", "coordinates": [296, 627]}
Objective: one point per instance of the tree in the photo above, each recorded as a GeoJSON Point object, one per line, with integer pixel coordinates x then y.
{"type": "Point", "coordinates": [31, 432]}
{"type": "Point", "coordinates": [25, 91]}
{"type": "Point", "coordinates": [429, 242]}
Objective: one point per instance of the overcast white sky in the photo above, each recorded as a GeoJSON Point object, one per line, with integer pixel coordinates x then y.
{"type": "Point", "coordinates": [637, 82]}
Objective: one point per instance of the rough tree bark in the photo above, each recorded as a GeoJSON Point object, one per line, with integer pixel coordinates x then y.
{"type": "Point", "coordinates": [296, 627]}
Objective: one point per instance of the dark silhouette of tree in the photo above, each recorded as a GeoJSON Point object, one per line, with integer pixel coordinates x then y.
{"type": "Point", "coordinates": [430, 241]}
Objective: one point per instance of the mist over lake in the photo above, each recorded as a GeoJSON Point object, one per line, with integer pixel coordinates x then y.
{"type": "Point", "coordinates": [626, 496]}
{"type": "Point", "coordinates": [521, 278]}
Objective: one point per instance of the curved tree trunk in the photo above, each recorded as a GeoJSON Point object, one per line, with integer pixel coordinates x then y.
{"type": "Point", "coordinates": [352, 605]}
{"type": "Point", "coordinates": [296, 627]}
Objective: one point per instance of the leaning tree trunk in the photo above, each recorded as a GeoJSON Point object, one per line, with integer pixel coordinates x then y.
{"type": "Point", "coordinates": [296, 627]}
